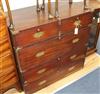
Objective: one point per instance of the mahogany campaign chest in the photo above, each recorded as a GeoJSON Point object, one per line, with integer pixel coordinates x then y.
{"type": "Point", "coordinates": [48, 50]}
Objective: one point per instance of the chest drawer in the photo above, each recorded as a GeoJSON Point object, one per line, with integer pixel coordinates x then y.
{"type": "Point", "coordinates": [51, 78]}
{"type": "Point", "coordinates": [77, 21]}
{"type": "Point", "coordinates": [71, 68]}
{"type": "Point", "coordinates": [73, 57]}
{"type": "Point", "coordinates": [41, 71]}
{"type": "Point", "coordinates": [36, 54]}
{"type": "Point", "coordinates": [36, 34]}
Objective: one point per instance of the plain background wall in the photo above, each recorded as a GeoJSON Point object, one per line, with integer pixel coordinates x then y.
{"type": "Point", "coordinates": [98, 45]}
{"type": "Point", "coordinates": [17, 4]}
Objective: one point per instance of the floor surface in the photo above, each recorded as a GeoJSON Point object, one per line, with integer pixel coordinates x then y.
{"type": "Point", "coordinates": [89, 84]}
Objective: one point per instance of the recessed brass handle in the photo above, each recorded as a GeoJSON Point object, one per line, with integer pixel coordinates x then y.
{"type": "Point", "coordinates": [75, 40]}
{"type": "Point", "coordinates": [41, 71]}
{"type": "Point", "coordinates": [76, 57]}
{"type": "Point", "coordinates": [80, 57]}
{"type": "Point", "coordinates": [42, 82]}
{"type": "Point", "coordinates": [71, 68]}
{"type": "Point", "coordinates": [73, 57]}
{"type": "Point", "coordinates": [38, 34]}
{"type": "Point", "coordinates": [39, 54]}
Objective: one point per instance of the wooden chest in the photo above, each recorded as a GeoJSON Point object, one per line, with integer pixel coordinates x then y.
{"type": "Point", "coordinates": [48, 50]}
{"type": "Point", "coordinates": [8, 73]}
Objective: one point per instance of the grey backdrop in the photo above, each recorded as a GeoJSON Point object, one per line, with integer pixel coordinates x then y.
{"type": "Point", "coordinates": [98, 45]}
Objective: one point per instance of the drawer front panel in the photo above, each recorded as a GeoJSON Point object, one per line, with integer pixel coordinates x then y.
{"type": "Point", "coordinates": [74, 55]}
{"type": "Point", "coordinates": [41, 71]}
{"type": "Point", "coordinates": [37, 54]}
{"type": "Point", "coordinates": [73, 59]}
{"type": "Point", "coordinates": [78, 21]}
{"type": "Point", "coordinates": [35, 34]}
{"type": "Point", "coordinates": [51, 78]}
{"type": "Point", "coordinates": [71, 67]}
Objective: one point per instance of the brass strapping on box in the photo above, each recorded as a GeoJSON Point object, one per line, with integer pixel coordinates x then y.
{"type": "Point", "coordinates": [17, 49]}
{"type": "Point", "coordinates": [13, 32]}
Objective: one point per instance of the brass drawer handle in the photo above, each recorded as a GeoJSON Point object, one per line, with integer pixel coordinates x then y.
{"type": "Point", "coordinates": [70, 69]}
{"type": "Point", "coordinates": [41, 71]}
{"type": "Point", "coordinates": [75, 40]}
{"type": "Point", "coordinates": [73, 57]}
{"type": "Point", "coordinates": [42, 82]}
{"type": "Point", "coordinates": [38, 34]}
{"type": "Point", "coordinates": [39, 54]}
{"type": "Point", "coordinates": [80, 57]}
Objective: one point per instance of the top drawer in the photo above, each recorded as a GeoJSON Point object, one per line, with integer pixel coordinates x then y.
{"type": "Point", "coordinates": [35, 34]}
{"type": "Point", "coordinates": [77, 21]}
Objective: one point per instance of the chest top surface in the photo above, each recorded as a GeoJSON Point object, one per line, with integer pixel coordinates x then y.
{"type": "Point", "coordinates": [28, 17]}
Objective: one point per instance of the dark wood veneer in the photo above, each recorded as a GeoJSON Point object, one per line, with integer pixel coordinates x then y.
{"type": "Point", "coordinates": [51, 49]}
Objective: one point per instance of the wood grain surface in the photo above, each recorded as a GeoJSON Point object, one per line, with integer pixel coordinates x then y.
{"type": "Point", "coordinates": [8, 75]}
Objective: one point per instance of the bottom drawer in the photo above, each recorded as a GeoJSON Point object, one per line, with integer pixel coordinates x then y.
{"type": "Point", "coordinates": [72, 67]}
{"type": "Point", "coordinates": [40, 71]}
{"type": "Point", "coordinates": [57, 75]}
